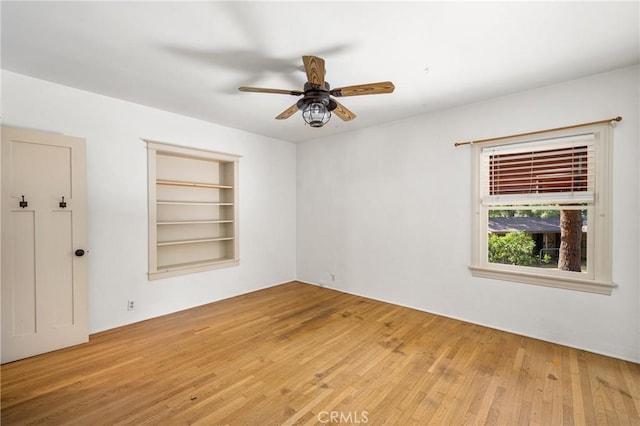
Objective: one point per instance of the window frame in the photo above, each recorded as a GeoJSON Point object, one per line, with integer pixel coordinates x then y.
{"type": "Point", "coordinates": [598, 278]}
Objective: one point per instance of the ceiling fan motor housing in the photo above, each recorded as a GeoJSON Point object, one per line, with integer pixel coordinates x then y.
{"type": "Point", "coordinates": [315, 93]}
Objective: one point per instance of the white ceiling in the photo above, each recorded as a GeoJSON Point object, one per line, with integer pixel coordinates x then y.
{"type": "Point", "coordinates": [190, 57]}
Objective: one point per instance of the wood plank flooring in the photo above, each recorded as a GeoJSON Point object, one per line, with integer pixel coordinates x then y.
{"type": "Point", "coordinates": [300, 354]}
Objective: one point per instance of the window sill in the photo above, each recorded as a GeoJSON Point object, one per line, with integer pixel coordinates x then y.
{"type": "Point", "coordinates": [589, 286]}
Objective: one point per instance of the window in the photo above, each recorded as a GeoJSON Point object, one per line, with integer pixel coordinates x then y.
{"type": "Point", "coordinates": [543, 209]}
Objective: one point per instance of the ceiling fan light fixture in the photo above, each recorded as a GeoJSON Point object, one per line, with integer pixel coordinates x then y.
{"type": "Point", "coordinates": [316, 114]}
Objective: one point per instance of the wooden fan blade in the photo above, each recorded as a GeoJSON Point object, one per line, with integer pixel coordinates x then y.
{"type": "Point", "coordinates": [263, 90]}
{"type": "Point", "coordinates": [342, 112]}
{"type": "Point", "coordinates": [364, 89]}
{"type": "Point", "coordinates": [314, 67]}
{"type": "Point", "coordinates": [288, 112]}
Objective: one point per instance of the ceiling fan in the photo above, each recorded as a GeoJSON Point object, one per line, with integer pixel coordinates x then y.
{"type": "Point", "coordinates": [317, 103]}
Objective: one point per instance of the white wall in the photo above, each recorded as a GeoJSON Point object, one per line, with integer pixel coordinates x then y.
{"type": "Point", "coordinates": [387, 210]}
{"type": "Point", "coordinates": [117, 198]}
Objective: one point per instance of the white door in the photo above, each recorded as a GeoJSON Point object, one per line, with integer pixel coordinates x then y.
{"type": "Point", "coordinates": [44, 269]}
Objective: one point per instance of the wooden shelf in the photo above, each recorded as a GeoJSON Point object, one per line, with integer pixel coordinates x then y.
{"type": "Point", "coordinates": [193, 208]}
{"type": "Point", "coordinates": [193, 184]}
{"type": "Point", "coordinates": [200, 263]}
{"type": "Point", "coordinates": [194, 241]}
{"type": "Point", "coordinates": [194, 222]}
{"type": "Point", "coordinates": [192, 203]}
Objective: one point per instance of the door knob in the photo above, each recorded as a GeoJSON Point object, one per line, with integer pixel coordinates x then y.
{"type": "Point", "coordinates": [79, 252]}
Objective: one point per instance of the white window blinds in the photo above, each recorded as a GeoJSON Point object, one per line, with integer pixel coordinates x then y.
{"type": "Point", "coordinates": [551, 171]}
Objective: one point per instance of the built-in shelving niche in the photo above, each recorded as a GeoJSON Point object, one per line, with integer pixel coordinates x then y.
{"type": "Point", "coordinates": [193, 205]}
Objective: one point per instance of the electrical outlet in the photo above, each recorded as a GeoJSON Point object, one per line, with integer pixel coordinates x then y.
{"type": "Point", "coordinates": [333, 277]}
{"type": "Point", "coordinates": [131, 305]}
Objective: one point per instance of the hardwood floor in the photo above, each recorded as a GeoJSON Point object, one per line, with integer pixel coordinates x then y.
{"type": "Point", "coordinates": [300, 354]}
